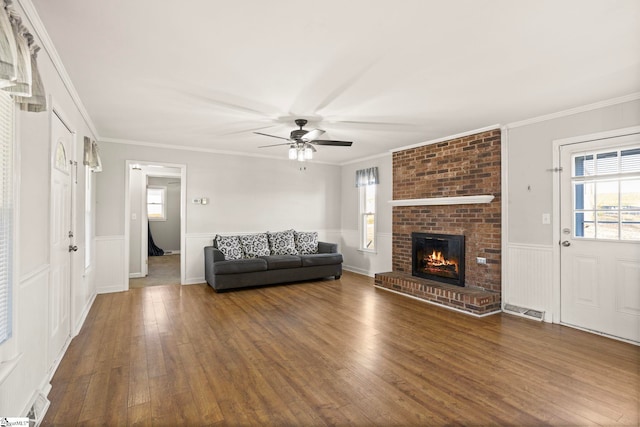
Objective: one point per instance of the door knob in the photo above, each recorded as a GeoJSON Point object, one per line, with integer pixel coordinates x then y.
{"type": "Point", "coordinates": [566, 243]}
{"type": "Point", "coordinates": [73, 248]}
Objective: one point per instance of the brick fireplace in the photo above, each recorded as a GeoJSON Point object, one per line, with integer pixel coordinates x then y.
{"type": "Point", "coordinates": [466, 166]}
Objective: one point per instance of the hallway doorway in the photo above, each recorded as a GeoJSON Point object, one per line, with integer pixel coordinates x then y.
{"type": "Point", "coordinates": [155, 216]}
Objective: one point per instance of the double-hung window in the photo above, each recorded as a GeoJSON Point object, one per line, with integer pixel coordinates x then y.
{"type": "Point", "coordinates": [367, 181]}
{"type": "Point", "coordinates": [368, 217]}
{"type": "Point", "coordinates": [157, 203]}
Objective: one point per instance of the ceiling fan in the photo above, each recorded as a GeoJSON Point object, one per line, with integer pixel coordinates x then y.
{"type": "Point", "coordinates": [301, 142]}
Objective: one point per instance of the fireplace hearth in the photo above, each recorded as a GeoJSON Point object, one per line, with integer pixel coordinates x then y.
{"type": "Point", "coordinates": [438, 257]}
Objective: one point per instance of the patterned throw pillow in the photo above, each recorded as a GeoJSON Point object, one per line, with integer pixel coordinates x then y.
{"type": "Point", "coordinates": [255, 245]}
{"type": "Point", "coordinates": [306, 242]}
{"type": "Point", "coordinates": [282, 243]}
{"type": "Point", "coordinates": [229, 246]}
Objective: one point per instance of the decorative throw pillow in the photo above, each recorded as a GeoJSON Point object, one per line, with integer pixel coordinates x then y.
{"type": "Point", "coordinates": [282, 243]}
{"type": "Point", "coordinates": [229, 246]}
{"type": "Point", "coordinates": [306, 242]}
{"type": "Point", "coordinates": [255, 245]}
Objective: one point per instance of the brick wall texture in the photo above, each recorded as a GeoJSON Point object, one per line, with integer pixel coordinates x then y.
{"type": "Point", "coordinates": [466, 166]}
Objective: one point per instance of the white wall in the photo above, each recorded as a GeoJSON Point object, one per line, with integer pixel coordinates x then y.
{"type": "Point", "coordinates": [354, 259]}
{"type": "Point", "coordinates": [31, 373]}
{"type": "Point", "coordinates": [246, 194]}
{"type": "Point", "coordinates": [528, 260]}
{"type": "Point", "coordinates": [137, 183]}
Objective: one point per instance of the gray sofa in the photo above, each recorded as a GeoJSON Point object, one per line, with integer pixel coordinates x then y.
{"type": "Point", "coordinates": [254, 267]}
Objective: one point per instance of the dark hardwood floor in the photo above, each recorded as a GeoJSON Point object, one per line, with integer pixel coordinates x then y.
{"type": "Point", "coordinates": [332, 353]}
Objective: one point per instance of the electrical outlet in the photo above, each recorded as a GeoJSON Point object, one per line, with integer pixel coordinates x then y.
{"type": "Point", "coordinates": [481, 260]}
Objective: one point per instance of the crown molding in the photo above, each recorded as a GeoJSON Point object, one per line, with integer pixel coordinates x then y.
{"type": "Point", "coordinates": [446, 138]}
{"type": "Point", "coordinates": [582, 109]}
{"type": "Point", "coordinates": [47, 44]}
{"type": "Point", "coordinates": [365, 159]}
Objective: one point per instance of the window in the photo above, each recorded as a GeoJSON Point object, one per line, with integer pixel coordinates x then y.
{"type": "Point", "coordinates": [368, 217]}
{"type": "Point", "coordinates": [156, 203]}
{"type": "Point", "coordinates": [606, 195]}
{"type": "Point", "coordinates": [88, 216]}
{"type": "Point", "coordinates": [6, 213]}
{"type": "Point", "coordinates": [366, 181]}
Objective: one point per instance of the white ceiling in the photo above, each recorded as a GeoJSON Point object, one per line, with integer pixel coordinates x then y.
{"type": "Point", "coordinates": [381, 73]}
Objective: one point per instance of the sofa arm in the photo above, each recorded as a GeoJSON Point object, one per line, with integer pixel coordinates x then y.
{"type": "Point", "coordinates": [215, 253]}
{"type": "Point", "coordinates": [211, 256]}
{"type": "Point", "coordinates": [327, 248]}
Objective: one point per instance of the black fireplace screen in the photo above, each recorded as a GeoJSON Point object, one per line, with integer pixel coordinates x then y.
{"type": "Point", "coordinates": [438, 257]}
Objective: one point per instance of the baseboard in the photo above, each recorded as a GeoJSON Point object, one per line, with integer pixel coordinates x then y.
{"type": "Point", "coordinates": [195, 281]}
{"type": "Point", "coordinates": [358, 270]}
{"type": "Point", "coordinates": [110, 289]}
{"type": "Point", "coordinates": [84, 315]}
{"type": "Point", "coordinates": [136, 275]}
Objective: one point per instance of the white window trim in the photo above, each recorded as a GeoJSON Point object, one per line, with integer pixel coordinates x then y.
{"type": "Point", "coordinates": [164, 202]}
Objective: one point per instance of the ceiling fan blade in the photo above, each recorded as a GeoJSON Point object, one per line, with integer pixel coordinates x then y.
{"type": "Point", "coordinates": [274, 145]}
{"type": "Point", "coordinates": [334, 143]}
{"type": "Point", "coordinates": [312, 135]}
{"type": "Point", "coordinates": [272, 136]}
{"type": "Point", "coordinates": [308, 145]}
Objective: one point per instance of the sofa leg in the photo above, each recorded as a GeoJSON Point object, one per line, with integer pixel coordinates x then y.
{"type": "Point", "coordinates": [337, 276]}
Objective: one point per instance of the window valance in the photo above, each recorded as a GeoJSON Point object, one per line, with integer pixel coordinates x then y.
{"type": "Point", "coordinates": [19, 73]}
{"type": "Point", "coordinates": [367, 176]}
{"type": "Point", "coordinates": [92, 155]}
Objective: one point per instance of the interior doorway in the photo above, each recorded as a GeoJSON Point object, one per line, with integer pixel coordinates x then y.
{"type": "Point", "coordinates": [155, 215]}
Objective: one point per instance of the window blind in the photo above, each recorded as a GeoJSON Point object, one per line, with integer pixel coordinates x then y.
{"type": "Point", "coordinates": [6, 213]}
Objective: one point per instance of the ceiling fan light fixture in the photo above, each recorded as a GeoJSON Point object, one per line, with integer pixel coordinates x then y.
{"type": "Point", "coordinates": [301, 155]}
{"type": "Point", "coordinates": [293, 152]}
{"type": "Point", "coordinates": [308, 153]}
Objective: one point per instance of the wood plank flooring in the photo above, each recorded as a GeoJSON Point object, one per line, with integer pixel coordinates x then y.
{"type": "Point", "coordinates": [332, 353]}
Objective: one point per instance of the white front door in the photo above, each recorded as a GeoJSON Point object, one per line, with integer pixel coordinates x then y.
{"type": "Point", "coordinates": [61, 227]}
{"type": "Point", "coordinates": [600, 236]}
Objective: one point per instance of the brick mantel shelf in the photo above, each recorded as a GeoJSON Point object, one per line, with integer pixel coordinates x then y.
{"type": "Point", "coordinates": [438, 201]}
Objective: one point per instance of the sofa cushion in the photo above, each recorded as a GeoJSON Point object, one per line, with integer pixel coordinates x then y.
{"type": "Point", "coordinates": [255, 245]}
{"type": "Point", "coordinates": [306, 242]}
{"type": "Point", "coordinates": [230, 246]}
{"type": "Point", "coordinates": [320, 259]}
{"type": "Point", "coordinates": [282, 243]}
{"type": "Point", "coordinates": [240, 266]}
{"type": "Point", "coordinates": [277, 262]}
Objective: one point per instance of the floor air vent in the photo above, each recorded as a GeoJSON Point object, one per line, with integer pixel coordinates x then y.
{"type": "Point", "coordinates": [37, 411]}
{"type": "Point", "coordinates": [524, 312]}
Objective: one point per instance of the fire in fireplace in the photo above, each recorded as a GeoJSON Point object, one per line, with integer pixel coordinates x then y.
{"type": "Point", "coordinates": [438, 257]}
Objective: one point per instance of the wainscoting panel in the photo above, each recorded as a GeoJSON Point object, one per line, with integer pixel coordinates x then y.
{"type": "Point", "coordinates": [529, 277]}
{"type": "Point", "coordinates": [30, 330]}
{"type": "Point", "coordinates": [367, 263]}
{"type": "Point", "coordinates": [194, 256]}
{"type": "Point", "coordinates": [110, 275]}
